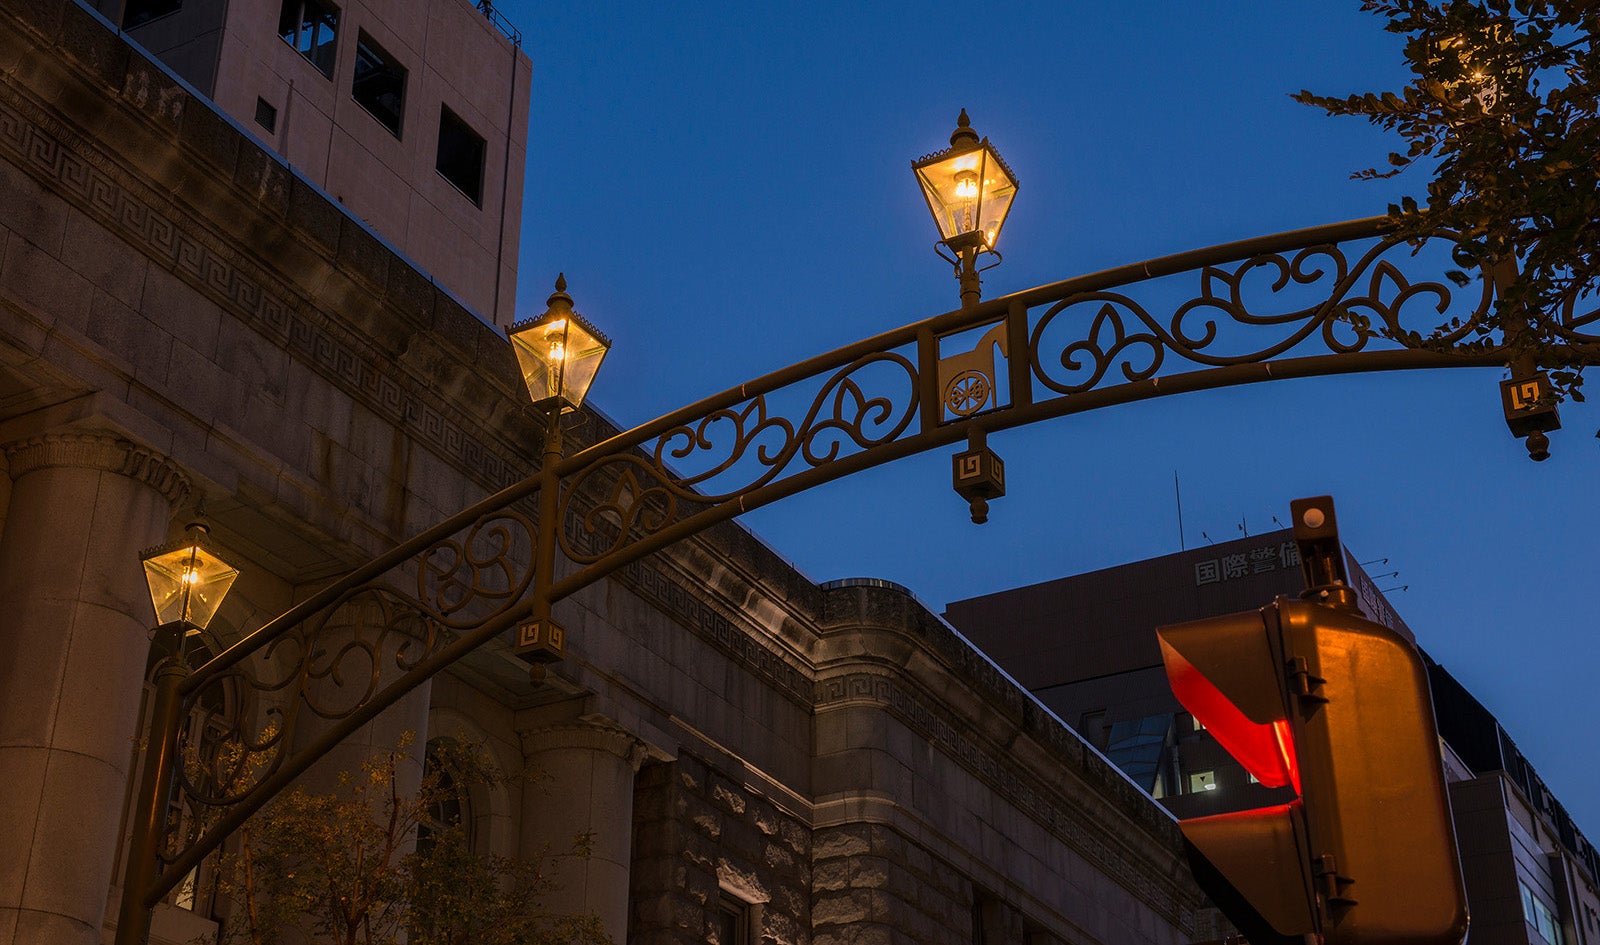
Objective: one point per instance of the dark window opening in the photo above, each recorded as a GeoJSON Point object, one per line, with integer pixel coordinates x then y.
{"type": "Point", "coordinates": [140, 12]}
{"type": "Point", "coordinates": [311, 26]}
{"type": "Point", "coordinates": [988, 922]}
{"type": "Point", "coordinates": [733, 922]}
{"type": "Point", "coordinates": [266, 115]}
{"type": "Point", "coordinates": [380, 83]}
{"type": "Point", "coordinates": [460, 158]}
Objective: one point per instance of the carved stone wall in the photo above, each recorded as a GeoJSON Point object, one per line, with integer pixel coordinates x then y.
{"type": "Point", "coordinates": [699, 832]}
{"type": "Point", "coordinates": [875, 886]}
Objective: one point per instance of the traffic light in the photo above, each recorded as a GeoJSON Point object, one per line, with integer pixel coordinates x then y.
{"type": "Point", "coordinates": [1314, 697]}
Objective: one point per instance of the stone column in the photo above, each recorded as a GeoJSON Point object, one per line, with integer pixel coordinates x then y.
{"type": "Point", "coordinates": [585, 772]}
{"type": "Point", "coordinates": [74, 618]}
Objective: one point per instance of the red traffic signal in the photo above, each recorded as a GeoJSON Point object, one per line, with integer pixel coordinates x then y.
{"type": "Point", "coordinates": [1317, 698]}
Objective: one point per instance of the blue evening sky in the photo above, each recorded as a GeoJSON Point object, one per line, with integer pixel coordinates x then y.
{"type": "Point", "coordinates": [727, 187]}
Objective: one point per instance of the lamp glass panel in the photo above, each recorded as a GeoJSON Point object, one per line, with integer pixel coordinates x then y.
{"type": "Point", "coordinates": [998, 191]}
{"type": "Point", "coordinates": [968, 191]}
{"type": "Point", "coordinates": [582, 356]}
{"type": "Point", "coordinates": [533, 358]}
{"type": "Point", "coordinates": [188, 583]}
{"type": "Point", "coordinates": [945, 184]}
{"type": "Point", "coordinates": [559, 358]}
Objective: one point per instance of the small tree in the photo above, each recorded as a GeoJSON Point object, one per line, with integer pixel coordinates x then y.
{"type": "Point", "coordinates": [346, 867]}
{"type": "Point", "coordinates": [1502, 107]}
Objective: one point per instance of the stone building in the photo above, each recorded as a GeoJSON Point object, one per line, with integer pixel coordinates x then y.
{"type": "Point", "coordinates": [185, 316]}
{"type": "Point", "coordinates": [1085, 646]}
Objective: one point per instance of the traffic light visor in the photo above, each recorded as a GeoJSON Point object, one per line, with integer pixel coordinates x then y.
{"type": "Point", "coordinates": [1223, 672]}
{"type": "Point", "coordinates": [1253, 864]}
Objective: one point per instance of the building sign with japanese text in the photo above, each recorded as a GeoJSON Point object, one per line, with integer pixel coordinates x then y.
{"type": "Point", "coordinates": [1230, 567]}
{"type": "Point", "coordinates": [1284, 555]}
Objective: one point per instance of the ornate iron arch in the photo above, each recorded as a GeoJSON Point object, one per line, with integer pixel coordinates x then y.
{"type": "Point", "coordinates": [1337, 299]}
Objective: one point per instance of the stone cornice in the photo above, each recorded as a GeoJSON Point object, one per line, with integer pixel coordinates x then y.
{"type": "Point", "coordinates": [99, 452]}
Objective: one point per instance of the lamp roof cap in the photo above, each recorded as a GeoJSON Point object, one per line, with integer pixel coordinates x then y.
{"type": "Point", "coordinates": [559, 297]}
{"type": "Point", "coordinates": [963, 135]}
{"type": "Point", "coordinates": [964, 139]}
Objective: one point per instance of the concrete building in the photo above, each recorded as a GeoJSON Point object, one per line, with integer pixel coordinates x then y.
{"type": "Point", "coordinates": [184, 315]}
{"type": "Point", "coordinates": [1085, 646]}
{"type": "Point", "coordinates": [411, 113]}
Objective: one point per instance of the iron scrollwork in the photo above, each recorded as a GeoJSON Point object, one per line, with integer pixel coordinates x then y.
{"type": "Point", "coordinates": [485, 569]}
{"type": "Point", "coordinates": [242, 719]}
{"type": "Point", "coordinates": [1570, 326]}
{"type": "Point", "coordinates": [1364, 299]}
{"type": "Point", "coordinates": [734, 450]}
{"type": "Point", "coordinates": [1344, 290]}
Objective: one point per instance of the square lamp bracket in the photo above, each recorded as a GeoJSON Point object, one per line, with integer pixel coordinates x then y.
{"type": "Point", "coordinates": [541, 641]}
{"type": "Point", "coordinates": [1530, 408]}
{"type": "Point", "coordinates": [1530, 405]}
{"type": "Point", "coordinates": [978, 475]}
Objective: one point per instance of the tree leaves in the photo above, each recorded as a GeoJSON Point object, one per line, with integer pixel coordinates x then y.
{"type": "Point", "coordinates": [342, 866]}
{"type": "Point", "coordinates": [1502, 104]}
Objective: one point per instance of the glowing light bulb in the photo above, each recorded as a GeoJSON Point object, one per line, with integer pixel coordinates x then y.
{"type": "Point", "coordinates": [555, 339]}
{"type": "Point", "coordinates": [555, 336]}
{"type": "Point", "coordinates": [191, 568]}
{"type": "Point", "coordinates": [966, 185]}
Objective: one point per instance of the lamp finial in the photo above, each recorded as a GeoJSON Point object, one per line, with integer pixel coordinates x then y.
{"type": "Point", "coordinates": [560, 301]}
{"type": "Point", "coordinates": [963, 132]}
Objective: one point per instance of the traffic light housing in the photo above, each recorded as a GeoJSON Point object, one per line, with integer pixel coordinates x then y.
{"type": "Point", "coordinates": [1315, 697]}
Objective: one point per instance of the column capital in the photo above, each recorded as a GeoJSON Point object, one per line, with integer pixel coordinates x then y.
{"type": "Point", "coordinates": [593, 734]}
{"type": "Point", "coordinates": [101, 452]}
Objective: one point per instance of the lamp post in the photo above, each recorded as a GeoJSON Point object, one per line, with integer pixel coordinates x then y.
{"type": "Point", "coordinates": [969, 189]}
{"type": "Point", "coordinates": [559, 354]}
{"type": "Point", "coordinates": [187, 583]}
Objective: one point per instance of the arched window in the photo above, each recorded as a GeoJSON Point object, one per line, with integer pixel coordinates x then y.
{"type": "Point", "coordinates": [449, 806]}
